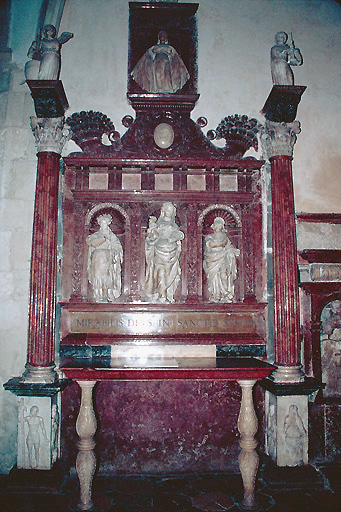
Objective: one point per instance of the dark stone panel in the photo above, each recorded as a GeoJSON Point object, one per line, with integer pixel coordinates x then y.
{"type": "Point", "coordinates": [316, 432]}
{"type": "Point", "coordinates": [333, 429]}
{"type": "Point", "coordinates": [241, 351]}
{"type": "Point", "coordinates": [161, 427]}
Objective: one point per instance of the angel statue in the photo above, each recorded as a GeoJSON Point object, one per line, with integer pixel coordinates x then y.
{"type": "Point", "coordinates": [161, 69]}
{"type": "Point", "coordinates": [45, 55]}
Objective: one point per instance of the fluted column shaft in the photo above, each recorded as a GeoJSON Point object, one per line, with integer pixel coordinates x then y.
{"type": "Point", "coordinates": [40, 347]}
{"type": "Point", "coordinates": [50, 135]}
{"type": "Point", "coordinates": [285, 270]}
{"type": "Point", "coordinates": [278, 141]}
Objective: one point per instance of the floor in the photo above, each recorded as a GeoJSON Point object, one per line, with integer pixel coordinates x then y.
{"type": "Point", "coordinates": [312, 488]}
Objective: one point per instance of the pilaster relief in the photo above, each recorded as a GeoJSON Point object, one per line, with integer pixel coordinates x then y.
{"type": "Point", "coordinates": [38, 432]}
{"type": "Point", "coordinates": [50, 133]}
{"type": "Point", "coordinates": [287, 429]}
{"type": "Point", "coordinates": [279, 138]}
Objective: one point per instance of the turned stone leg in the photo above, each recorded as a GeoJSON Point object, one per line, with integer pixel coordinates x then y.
{"type": "Point", "coordinates": [86, 461]}
{"type": "Point", "coordinates": [248, 458]}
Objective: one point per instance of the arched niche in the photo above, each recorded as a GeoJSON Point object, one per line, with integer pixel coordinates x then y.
{"type": "Point", "coordinates": [120, 226]}
{"type": "Point", "coordinates": [233, 228]}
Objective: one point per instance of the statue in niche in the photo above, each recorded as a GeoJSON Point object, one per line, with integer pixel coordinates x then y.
{"type": "Point", "coordinates": [162, 251]}
{"type": "Point", "coordinates": [104, 262]}
{"type": "Point", "coordinates": [45, 55]}
{"type": "Point", "coordinates": [220, 263]}
{"type": "Point", "coordinates": [283, 57]}
{"type": "Point", "coordinates": [295, 436]}
{"type": "Point", "coordinates": [161, 68]}
{"type": "Point", "coordinates": [35, 426]}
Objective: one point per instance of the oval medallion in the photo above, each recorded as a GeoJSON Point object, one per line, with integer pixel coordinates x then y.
{"type": "Point", "coordinates": [164, 135]}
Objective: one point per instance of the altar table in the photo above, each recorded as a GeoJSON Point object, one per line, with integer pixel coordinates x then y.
{"type": "Point", "coordinates": [87, 372]}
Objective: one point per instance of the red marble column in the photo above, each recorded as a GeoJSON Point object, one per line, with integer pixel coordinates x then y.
{"type": "Point", "coordinates": [278, 140]}
{"type": "Point", "coordinates": [42, 306]}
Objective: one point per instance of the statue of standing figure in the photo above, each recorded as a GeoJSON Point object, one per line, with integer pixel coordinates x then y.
{"type": "Point", "coordinates": [45, 55]}
{"type": "Point", "coordinates": [104, 262]}
{"type": "Point", "coordinates": [35, 425]}
{"type": "Point", "coordinates": [220, 263]}
{"type": "Point", "coordinates": [282, 57]}
{"type": "Point", "coordinates": [295, 436]}
{"type": "Point", "coordinates": [161, 68]}
{"type": "Point", "coordinates": [162, 251]}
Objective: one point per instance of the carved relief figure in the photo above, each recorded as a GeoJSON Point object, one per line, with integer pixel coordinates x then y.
{"type": "Point", "coordinates": [283, 57]}
{"type": "Point", "coordinates": [295, 436]}
{"type": "Point", "coordinates": [220, 263]}
{"type": "Point", "coordinates": [161, 68]}
{"type": "Point", "coordinates": [104, 262]}
{"type": "Point", "coordinates": [47, 52]}
{"type": "Point", "coordinates": [35, 426]}
{"type": "Point", "coordinates": [162, 251]}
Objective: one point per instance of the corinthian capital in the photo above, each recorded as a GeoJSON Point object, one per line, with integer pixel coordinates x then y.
{"type": "Point", "coordinates": [279, 138]}
{"type": "Point", "coordinates": [50, 133]}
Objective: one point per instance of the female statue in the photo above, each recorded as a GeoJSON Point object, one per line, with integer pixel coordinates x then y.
{"type": "Point", "coordinates": [47, 51]}
{"type": "Point", "coordinates": [295, 436]}
{"type": "Point", "coordinates": [162, 250]}
{"type": "Point", "coordinates": [282, 57]}
{"type": "Point", "coordinates": [220, 263]}
{"type": "Point", "coordinates": [104, 262]}
{"type": "Point", "coordinates": [161, 68]}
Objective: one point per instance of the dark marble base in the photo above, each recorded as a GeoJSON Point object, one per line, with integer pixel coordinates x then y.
{"type": "Point", "coordinates": [52, 480]}
{"type": "Point", "coordinates": [35, 389]}
{"type": "Point", "coordinates": [49, 97]}
{"type": "Point", "coordinates": [282, 103]}
{"type": "Point", "coordinates": [302, 477]}
{"type": "Point", "coordinates": [307, 387]}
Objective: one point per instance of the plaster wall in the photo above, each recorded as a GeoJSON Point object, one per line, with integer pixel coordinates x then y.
{"type": "Point", "coordinates": [234, 40]}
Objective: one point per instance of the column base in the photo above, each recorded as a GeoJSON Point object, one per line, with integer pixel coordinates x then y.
{"type": "Point", "coordinates": [39, 374]}
{"type": "Point", "coordinates": [287, 374]}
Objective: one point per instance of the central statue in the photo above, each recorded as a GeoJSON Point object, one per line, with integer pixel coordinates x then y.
{"type": "Point", "coordinates": [162, 250]}
{"type": "Point", "coordinates": [161, 68]}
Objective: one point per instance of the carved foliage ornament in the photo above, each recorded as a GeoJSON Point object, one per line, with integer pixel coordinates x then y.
{"type": "Point", "coordinates": [50, 133]}
{"type": "Point", "coordinates": [279, 138]}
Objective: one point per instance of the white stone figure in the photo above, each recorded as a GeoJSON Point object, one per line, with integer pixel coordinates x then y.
{"type": "Point", "coordinates": [220, 263]}
{"type": "Point", "coordinates": [162, 251]}
{"type": "Point", "coordinates": [104, 262]}
{"type": "Point", "coordinates": [46, 52]}
{"type": "Point", "coordinates": [283, 56]}
{"type": "Point", "coordinates": [295, 437]}
{"type": "Point", "coordinates": [36, 427]}
{"type": "Point", "coordinates": [161, 68]}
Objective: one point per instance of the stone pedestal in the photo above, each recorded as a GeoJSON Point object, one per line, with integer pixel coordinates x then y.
{"type": "Point", "coordinates": [286, 409]}
{"type": "Point", "coordinates": [38, 423]}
